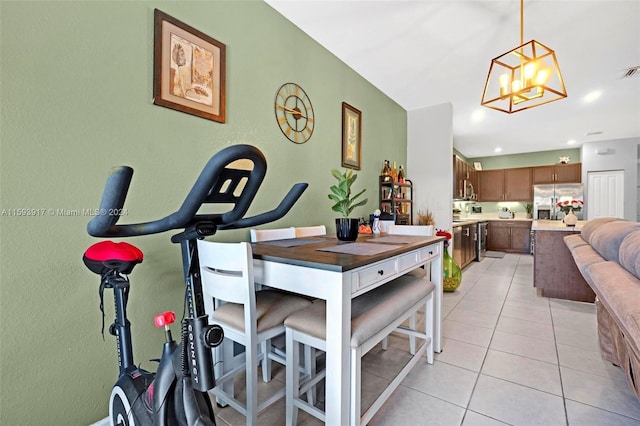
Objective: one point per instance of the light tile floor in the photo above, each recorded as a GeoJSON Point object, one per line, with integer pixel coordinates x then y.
{"type": "Point", "coordinates": [509, 357]}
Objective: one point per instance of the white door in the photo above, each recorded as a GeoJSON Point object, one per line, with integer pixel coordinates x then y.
{"type": "Point", "coordinates": [605, 192]}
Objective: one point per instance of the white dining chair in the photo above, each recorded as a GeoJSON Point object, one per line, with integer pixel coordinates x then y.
{"type": "Point", "coordinates": [278, 346]}
{"type": "Point", "coordinates": [271, 234]}
{"type": "Point", "coordinates": [248, 317]}
{"type": "Point", "coordinates": [422, 230]}
{"type": "Point", "coordinates": [310, 231]}
{"type": "Point", "coordinates": [373, 316]}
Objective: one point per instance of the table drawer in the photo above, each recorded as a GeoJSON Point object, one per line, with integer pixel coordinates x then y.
{"type": "Point", "coordinates": [374, 274]}
{"type": "Point", "coordinates": [429, 253]}
{"type": "Point", "coordinates": [418, 257]}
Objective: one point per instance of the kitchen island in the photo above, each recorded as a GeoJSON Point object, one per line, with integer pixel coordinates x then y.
{"type": "Point", "coordinates": [555, 273]}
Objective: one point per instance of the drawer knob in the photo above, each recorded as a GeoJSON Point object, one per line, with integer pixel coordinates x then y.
{"type": "Point", "coordinates": [381, 272]}
{"type": "Point", "coordinates": [431, 252]}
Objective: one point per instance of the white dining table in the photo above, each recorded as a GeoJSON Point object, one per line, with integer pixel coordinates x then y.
{"type": "Point", "coordinates": [325, 268]}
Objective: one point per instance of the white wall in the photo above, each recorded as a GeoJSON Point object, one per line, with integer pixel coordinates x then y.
{"type": "Point", "coordinates": [430, 161]}
{"type": "Point", "coordinates": [616, 154]}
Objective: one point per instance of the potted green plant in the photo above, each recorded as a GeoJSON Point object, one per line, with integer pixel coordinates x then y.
{"type": "Point", "coordinates": [529, 207]}
{"type": "Point", "coordinates": [346, 227]}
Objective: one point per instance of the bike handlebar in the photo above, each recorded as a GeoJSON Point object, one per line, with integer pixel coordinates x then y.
{"type": "Point", "coordinates": [217, 183]}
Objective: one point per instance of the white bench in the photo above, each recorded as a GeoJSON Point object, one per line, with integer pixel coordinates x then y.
{"type": "Point", "coordinates": [373, 316]}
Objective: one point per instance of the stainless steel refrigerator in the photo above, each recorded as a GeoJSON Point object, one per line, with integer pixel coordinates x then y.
{"type": "Point", "coordinates": [546, 199]}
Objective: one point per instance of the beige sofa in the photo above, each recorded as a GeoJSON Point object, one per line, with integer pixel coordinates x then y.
{"type": "Point", "coordinates": [607, 253]}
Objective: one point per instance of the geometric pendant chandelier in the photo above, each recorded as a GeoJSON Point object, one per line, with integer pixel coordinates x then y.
{"type": "Point", "coordinates": [524, 77]}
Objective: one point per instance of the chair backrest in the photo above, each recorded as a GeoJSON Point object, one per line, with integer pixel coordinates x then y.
{"type": "Point", "coordinates": [310, 231]}
{"type": "Point", "coordinates": [227, 273]}
{"type": "Point", "coordinates": [272, 234]}
{"type": "Point", "coordinates": [411, 230]}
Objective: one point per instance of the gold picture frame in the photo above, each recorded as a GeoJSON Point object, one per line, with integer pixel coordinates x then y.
{"type": "Point", "coordinates": [351, 137]}
{"type": "Point", "coordinates": [188, 69]}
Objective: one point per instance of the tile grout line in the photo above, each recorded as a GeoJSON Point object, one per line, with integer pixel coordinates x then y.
{"type": "Point", "coordinates": [487, 352]}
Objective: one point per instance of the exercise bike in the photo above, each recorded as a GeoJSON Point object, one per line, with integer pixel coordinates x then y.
{"type": "Point", "coordinates": [176, 394]}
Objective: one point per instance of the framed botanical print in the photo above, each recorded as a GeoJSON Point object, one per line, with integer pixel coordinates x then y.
{"type": "Point", "coordinates": [351, 137]}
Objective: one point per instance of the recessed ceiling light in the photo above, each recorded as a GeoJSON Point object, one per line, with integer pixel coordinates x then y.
{"type": "Point", "coordinates": [571, 142]}
{"type": "Point", "coordinates": [498, 149]}
{"type": "Point", "coordinates": [592, 96]}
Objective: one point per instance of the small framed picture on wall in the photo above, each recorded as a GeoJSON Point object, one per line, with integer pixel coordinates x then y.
{"type": "Point", "coordinates": [188, 69]}
{"type": "Point", "coordinates": [351, 137]}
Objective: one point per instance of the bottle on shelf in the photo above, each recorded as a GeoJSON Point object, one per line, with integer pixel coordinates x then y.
{"type": "Point", "coordinates": [394, 172]}
{"type": "Point", "coordinates": [401, 175]}
{"type": "Point", "coordinates": [384, 168]}
{"type": "Point", "coordinates": [385, 174]}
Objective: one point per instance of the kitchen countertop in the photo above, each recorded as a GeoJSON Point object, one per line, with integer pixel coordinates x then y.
{"type": "Point", "coordinates": [556, 225]}
{"type": "Point", "coordinates": [470, 220]}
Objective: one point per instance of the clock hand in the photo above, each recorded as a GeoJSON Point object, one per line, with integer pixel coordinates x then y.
{"type": "Point", "coordinates": [291, 110]}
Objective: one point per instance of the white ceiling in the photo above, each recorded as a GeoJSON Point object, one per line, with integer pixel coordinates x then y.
{"type": "Point", "coordinates": [426, 52]}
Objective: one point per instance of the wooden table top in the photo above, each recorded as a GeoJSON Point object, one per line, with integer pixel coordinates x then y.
{"type": "Point", "coordinates": [308, 251]}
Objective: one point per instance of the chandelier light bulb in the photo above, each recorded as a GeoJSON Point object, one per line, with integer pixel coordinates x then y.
{"type": "Point", "coordinates": [504, 84]}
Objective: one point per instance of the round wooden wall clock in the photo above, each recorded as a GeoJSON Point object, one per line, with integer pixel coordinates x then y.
{"type": "Point", "coordinates": [294, 113]}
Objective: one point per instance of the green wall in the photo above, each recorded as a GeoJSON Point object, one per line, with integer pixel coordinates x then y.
{"type": "Point", "coordinates": [529, 159]}
{"type": "Point", "coordinates": [76, 83]}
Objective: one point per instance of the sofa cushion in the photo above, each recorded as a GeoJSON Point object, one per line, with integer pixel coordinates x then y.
{"type": "Point", "coordinates": [592, 225]}
{"type": "Point", "coordinates": [574, 240]}
{"type": "Point", "coordinates": [614, 287]}
{"type": "Point", "coordinates": [630, 253]}
{"type": "Point", "coordinates": [585, 256]}
{"type": "Point", "coordinates": [607, 238]}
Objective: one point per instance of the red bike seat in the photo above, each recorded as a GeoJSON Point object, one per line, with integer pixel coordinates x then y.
{"type": "Point", "coordinates": [108, 256]}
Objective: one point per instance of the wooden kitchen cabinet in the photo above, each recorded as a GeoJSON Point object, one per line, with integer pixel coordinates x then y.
{"type": "Point", "coordinates": [506, 185]}
{"type": "Point", "coordinates": [462, 171]}
{"type": "Point", "coordinates": [517, 184]}
{"type": "Point", "coordinates": [491, 184]}
{"type": "Point", "coordinates": [557, 173]}
{"type": "Point", "coordinates": [512, 236]}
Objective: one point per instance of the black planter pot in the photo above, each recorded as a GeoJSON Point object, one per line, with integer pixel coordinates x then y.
{"type": "Point", "coordinates": [347, 228]}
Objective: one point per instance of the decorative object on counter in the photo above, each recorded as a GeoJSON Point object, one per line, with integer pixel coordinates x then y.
{"type": "Point", "coordinates": [376, 222]}
{"type": "Point", "coordinates": [364, 227]}
{"type": "Point", "coordinates": [451, 272]}
{"type": "Point", "coordinates": [529, 208]}
{"type": "Point", "coordinates": [505, 213]}
{"type": "Point", "coordinates": [425, 217]}
{"type": "Point", "coordinates": [570, 219]}
{"type": "Point", "coordinates": [564, 160]}
{"type": "Point", "coordinates": [570, 205]}
{"type": "Point", "coordinates": [346, 227]}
